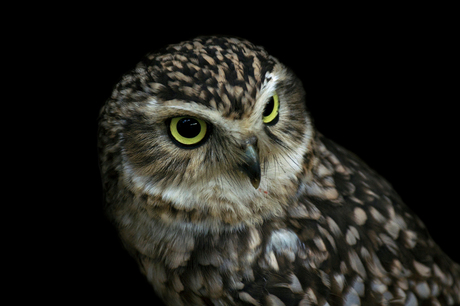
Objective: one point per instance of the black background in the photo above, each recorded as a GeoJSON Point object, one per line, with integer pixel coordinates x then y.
{"type": "Point", "coordinates": [381, 85]}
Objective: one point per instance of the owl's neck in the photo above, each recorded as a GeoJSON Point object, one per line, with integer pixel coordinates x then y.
{"type": "Point", "coordinates": [153, 214]}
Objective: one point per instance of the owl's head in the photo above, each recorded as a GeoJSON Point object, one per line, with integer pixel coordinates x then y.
{"type": "Point", "coordinates": [214, 130]}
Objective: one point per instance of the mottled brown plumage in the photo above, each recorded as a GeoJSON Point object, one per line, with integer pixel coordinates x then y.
{"type": "Point", "coordinates": [257, 213]}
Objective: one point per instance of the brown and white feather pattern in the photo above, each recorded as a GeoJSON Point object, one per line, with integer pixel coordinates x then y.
{"type": "Point", "coordinates": [357, 246]}
{"type": "Point", "coordinates": [332, 232]}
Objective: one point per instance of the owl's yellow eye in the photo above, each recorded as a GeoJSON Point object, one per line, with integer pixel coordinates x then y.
{"type": "Point", "coordinates": [271, 112]}
{"type": "Point", "coordinates": [188, 131]}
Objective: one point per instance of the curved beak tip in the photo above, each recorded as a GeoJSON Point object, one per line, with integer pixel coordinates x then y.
{"type": "Point", "coordinates": [255, 182]}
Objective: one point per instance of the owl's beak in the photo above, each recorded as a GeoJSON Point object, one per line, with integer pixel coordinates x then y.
{"type": "Point", "coordinates": [251, 164]}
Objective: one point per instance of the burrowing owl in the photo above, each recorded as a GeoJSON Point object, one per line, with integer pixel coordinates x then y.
{"type": "Point", "coordinates": [225, 193]}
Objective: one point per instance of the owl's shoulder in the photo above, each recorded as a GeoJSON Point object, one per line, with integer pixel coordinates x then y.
{"type": "Point", "coordinates": [349, 239]}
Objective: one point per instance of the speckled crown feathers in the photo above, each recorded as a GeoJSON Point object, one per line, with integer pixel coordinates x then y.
{"type": "Point", "coordinates": [219, 72]}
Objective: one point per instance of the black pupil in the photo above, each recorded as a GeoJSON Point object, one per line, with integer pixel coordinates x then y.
{"type": "Point", "coordinates": [269, 107]}
{"type": "Point", "coordinates": [188, 127]}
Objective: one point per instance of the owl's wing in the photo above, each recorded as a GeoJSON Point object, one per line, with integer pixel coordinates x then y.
{"type": "Point", "coordinates": [350, 240]}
